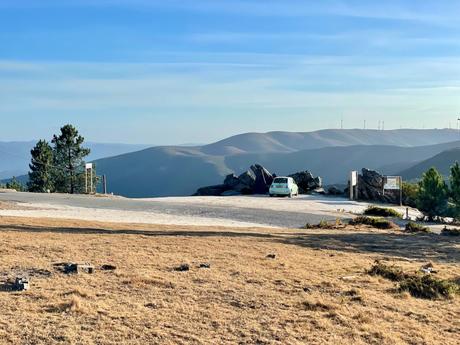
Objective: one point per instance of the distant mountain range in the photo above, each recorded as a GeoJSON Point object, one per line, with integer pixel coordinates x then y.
{"type": "Point", "coordinates": [15, 156]}
{"type": "Point", "coordinates": [442, 161]}
{"type": "Point", "coordinates": [180, 170]}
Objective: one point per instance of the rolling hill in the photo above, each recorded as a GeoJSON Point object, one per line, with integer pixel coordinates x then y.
{"type": "Point", "coordinates": [284, 142]}
{"type": "Point", "coordinates": [180, 170]}
{"type": "Point", "coordinates": [171, 171]}
{"type": "Point", "coordinates": [15, 156]}
{"type": "Point", "coordinates": [442, 161]}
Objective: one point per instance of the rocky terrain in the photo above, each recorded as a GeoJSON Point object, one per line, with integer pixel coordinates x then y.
{"type": "Point", "coordinates": [257, 180]}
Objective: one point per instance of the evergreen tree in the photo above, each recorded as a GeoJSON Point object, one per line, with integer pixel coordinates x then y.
{"type": "Point", "coordinates": [69, 159]}
{"type": "Point", "coordinates": [41, 168]}
{"type": "Point", "coordinates": [15, 184]}
{"type": "Point", "coordinates": [455, 189]}
{"type": "Point", "coordinates": [433, 194]}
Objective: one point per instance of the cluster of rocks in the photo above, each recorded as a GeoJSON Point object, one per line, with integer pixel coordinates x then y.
{"type": "Point", "coordinates": [370, 188]}
{"type": "Point", "coordinates": [257, 180]}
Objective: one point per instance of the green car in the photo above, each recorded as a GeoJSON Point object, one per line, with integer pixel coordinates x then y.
{"type": "Point", "coordinates": [284, 186]}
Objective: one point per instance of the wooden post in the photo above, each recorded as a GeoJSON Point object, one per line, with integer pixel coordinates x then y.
{"type": "Point", "coordinates": [400, 191]}
{"type": "Point", "coordinates": [91, 179]}
{"type": "Point", "coordinates": [104, 183]}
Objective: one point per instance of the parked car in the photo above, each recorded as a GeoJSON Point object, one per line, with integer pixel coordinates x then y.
{"type": "Point", "coordinates": [284, 186]}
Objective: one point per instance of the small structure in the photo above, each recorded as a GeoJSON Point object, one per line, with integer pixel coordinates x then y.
{"type": "Point", "coordinates": [21, 284]}
{"type": "Point", "coordinates": [72, 268]}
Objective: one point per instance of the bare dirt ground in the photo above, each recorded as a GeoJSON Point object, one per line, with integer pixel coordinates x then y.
{"type": "Point", "coordinates": [315, 291]}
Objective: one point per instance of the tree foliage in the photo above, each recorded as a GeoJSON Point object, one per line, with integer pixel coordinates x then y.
{"type": "Point", "coordinates": [433, 194]}
{"type": "Point", "coordinates": [454, 180]}
{"type": "Point", "coordinates": [69, 157]}
{"type": "Point", "coordinates": [16, 185]}
{"type": "Point", "coordinates": [41, 168]}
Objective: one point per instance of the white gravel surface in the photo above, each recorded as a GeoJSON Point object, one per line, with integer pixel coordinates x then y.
{"type": "Point", "coordinates": [234, 211]}
{"type": "Point", "coordinates": [118, 216]}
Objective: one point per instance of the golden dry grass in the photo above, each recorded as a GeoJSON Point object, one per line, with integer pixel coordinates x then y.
{"type": "Point", "coordinates": [315, 291]}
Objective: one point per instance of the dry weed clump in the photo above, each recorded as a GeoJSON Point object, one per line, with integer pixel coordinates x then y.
{"type": "Point", "coordinates": [74, 305]}
{"type": "Point", "coordinates": [324, 224]}
{"type": "Point", "coordinates": [314, 305]}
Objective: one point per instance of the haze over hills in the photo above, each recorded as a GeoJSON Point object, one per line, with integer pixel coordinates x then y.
{"type": "Point", "coordinates": [296, 141]}
{"type": "Point", "coordinates": [165, 171]}
{"type": "Point", "coordinates": [180, 170]}
{"type": "Point", "coordinates": [442, 161]}
{"type": "Point", "coordinates": [15, 156]}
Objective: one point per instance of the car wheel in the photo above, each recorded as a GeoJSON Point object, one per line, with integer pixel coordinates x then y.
{"type": "Point", "coordinates": [290, 195]}
{"type": "Point", "coordinates": [271, 195]}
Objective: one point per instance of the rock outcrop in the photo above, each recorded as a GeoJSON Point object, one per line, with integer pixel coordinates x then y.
{"type": "Point", "coordinates": [257, 180]}
{"type": "Point", "coordinates": [370, 187]}
{"type": "Point", "coordinates": [307, 182]}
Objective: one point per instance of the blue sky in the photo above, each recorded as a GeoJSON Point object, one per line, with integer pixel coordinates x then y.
{"type": "Point", "coordinates": [179, 71]}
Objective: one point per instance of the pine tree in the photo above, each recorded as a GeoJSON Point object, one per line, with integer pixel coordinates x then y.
{"type": "Point", "coordinates": [433, 194]}
{"type": "Point", "coordinates": [15, 184]}
{"type": "Point", "coordinates": [455, 188]}
{"type": "Point", "coordinates": [69, 159]}
{"type": "Point", "coordinates": [41, 168]}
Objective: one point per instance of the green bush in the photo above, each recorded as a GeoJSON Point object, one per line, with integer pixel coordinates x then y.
{"type": "Point", "coordinates": [429, 287]}
{"type": "Point", "coordinates": [414, 227]}
{"type": "Point", "coordinates": [393, 273]}
{"type": "Point", "coordinates": [382, 212]}
{"type": "Point", "coordinates": [410, 193]}
{"type": "Point", "coordinates": [376, 222]}
{"type": "Point", "coordinates": [420, 286]}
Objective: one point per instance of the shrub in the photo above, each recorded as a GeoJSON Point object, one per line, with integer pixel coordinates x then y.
{"type": "Point", "coordinates": [428, 287]}
{"type": "Point", "coordinates": [420, 286]}
{"type": "Point", "coordinates": [393, 273]}
{"type": "Point", "coordinates": [432, 195]}
{"type": "Point", "coordinates": [376, 222]}
{"type": "Point", "coordinates": [414, 227]}
{"type": "Point", "coordinates": [450, 231]}
{"type": "Point", "coordinates": [382, 212]}
{"type": "Point", "coordinates": [410, 193]}
{"type": "Point", "coordinates": [16, 185]}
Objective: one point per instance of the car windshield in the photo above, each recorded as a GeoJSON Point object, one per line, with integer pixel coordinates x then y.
{"type": "Point", "coordinates": [280, 180]}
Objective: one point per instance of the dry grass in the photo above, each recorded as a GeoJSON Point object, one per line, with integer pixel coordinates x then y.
{"type": "Point", "coordinates": [315, 291]}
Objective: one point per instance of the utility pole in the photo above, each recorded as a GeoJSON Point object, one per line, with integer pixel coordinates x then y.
{"type": "Point", "coordinates": [341, 123]}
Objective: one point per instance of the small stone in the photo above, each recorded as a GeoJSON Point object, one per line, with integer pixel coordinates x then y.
{"type": "Point", "coordinates": [183, 268]}
{"type": "Point", "coordinates": [108, 267]}
{"type": "Point", "coordinates": [271, 256]}
{"type": "Point", "coordinates": [205, 265]}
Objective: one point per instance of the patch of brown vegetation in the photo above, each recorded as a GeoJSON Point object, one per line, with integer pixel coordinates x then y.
{"type": "Point", "coordinates": [314, 292]}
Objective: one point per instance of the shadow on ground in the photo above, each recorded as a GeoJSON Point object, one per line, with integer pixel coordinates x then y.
{"type": "Point", "coordinates": [412, 246]}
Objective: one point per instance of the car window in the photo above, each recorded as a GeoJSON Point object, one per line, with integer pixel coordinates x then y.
{"type": "Point", "coordinates": [280, 180]}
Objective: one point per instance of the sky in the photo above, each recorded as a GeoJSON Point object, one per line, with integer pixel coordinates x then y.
{"type": "Point", "coordinates": [195, 71]}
